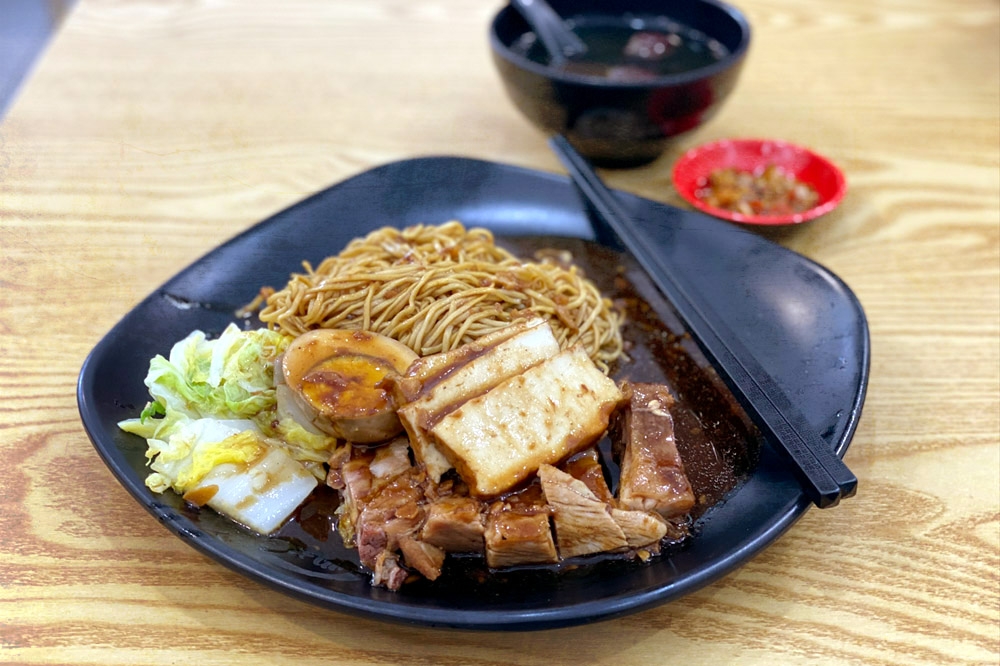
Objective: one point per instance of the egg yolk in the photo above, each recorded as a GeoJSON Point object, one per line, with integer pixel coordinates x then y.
{"type": "Point", "coordinates": [347, 385]}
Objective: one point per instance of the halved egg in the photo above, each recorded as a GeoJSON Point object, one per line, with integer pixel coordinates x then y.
{"type": "Point", "coordinates": [338, 377]}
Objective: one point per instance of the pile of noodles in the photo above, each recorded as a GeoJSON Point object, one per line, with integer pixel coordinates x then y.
{"type": "Point", "coordinates": [434, 288]}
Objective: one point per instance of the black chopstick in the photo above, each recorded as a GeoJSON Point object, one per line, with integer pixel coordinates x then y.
{"type": "Point", "coordinates": [823, 476]}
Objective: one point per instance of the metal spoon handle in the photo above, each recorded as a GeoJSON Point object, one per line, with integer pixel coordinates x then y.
{"type": "Point", "coordinates": [551, 30]}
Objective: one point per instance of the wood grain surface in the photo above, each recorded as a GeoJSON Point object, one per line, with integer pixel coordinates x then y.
{"type": "Point", "coordinates": [150, 132]}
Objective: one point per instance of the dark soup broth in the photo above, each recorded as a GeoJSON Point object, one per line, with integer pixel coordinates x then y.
{"type": "Point", "coordinates": [631, 47]}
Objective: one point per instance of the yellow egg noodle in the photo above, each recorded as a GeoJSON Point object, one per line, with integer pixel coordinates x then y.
{"type": "Point", "coordinates": [436, 287]}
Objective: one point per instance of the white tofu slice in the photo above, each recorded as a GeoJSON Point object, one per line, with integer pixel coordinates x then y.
{"type": "Point", "coordinates": [440, 383]}
{"type": "Point", "coordinates": [546, 413]}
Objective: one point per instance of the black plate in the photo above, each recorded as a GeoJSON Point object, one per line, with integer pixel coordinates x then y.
{"type": "Point", "coordinates": [803, 323]}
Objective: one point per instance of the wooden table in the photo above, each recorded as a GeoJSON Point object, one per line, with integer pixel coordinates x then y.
{"type": "Point", "coordinates": [149, 133]}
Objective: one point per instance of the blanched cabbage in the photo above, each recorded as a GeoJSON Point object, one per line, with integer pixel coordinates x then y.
{"type": "Point", "coordinates": [229, 377]}
{"type": "Point", "coordinates": [193, 447]}
{"type": "Point", "coordinates": [214, 430]}
{"type": "Point", "coordinates": [305, 441]}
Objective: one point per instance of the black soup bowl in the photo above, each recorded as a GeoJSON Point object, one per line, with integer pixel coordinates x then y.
{"type": "Point", "coordinates": [622, 113]}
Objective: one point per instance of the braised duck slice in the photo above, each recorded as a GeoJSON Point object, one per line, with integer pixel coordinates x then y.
{"type": "Point", "coordinates": [388, 572]}
{"type": "Point", "coordinates": [390, 514]}
{"type": "Point", "coordinates": [340, 455]}
{"type": "Point", "coordinates": [583, 523]}
{"type": "Point", "coordinates": [518, 531]}
{"type": "Point", "coordinates": [642, 529]}
{"type": "Point", "coordinates": [455, 524]}
{"type": "Point", "coordinates": [360, 474]}
{"type": "Point", "coordinates": [587, 467]}
{"type": "Point", "coordinates": [354, 475]}
{"type": "Point", "coordinates": [422, 556]}
{"type": "Point", "coordinates": [391, 460]}
{"type": "Point", "coordinates": [652, 472]}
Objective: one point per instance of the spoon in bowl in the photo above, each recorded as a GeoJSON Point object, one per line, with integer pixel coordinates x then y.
{"type": "Point", "coordinates": [557, 38]}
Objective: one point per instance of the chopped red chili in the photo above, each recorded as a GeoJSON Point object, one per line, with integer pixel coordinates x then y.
{"type": "Point", "coordinates": [767, 191]}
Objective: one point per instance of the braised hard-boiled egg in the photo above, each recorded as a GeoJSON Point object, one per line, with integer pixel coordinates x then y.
{"type": "Point", "coordinates": [338, 377]}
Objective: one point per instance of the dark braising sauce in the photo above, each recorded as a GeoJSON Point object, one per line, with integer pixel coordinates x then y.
{"type": "Point", "coordinates": [717, 442]}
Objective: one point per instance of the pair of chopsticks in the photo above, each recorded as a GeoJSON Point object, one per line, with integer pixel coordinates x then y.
{"type": "Point", "coordinates": [824, 476]}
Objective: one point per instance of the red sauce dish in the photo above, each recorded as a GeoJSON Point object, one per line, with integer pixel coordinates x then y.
{"type": "Point", "coordinates": [694, 168]}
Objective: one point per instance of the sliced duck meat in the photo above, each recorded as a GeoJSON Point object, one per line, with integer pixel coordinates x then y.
{"type": "Point", "coordinates": [455, 524]}
{"type": "Point", "coordinates": [642, 529]}
{"type": "Point", "coordinates": [583, 523]}
{"type": "Point", "coordinates": [422, 556]}
{"type": "Point", "coordinates": [587, 467]}
{"type": "Point", "coordinates": [391, 459]}
{"type": "Point", "coordinates": [393, 512]}
{"type": "Point", "coordinates": [356, 478]}
{"type": "Point", "coordinates": [518, 531]}
{"type": "Point", "coordinates": [388, 572]}
{"type": "Point", "coordinates": [652, 472]}
{"type": "Point", "coordinates": [334, 476]}
{"type": "Point", "coordinates": [361, 473]}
